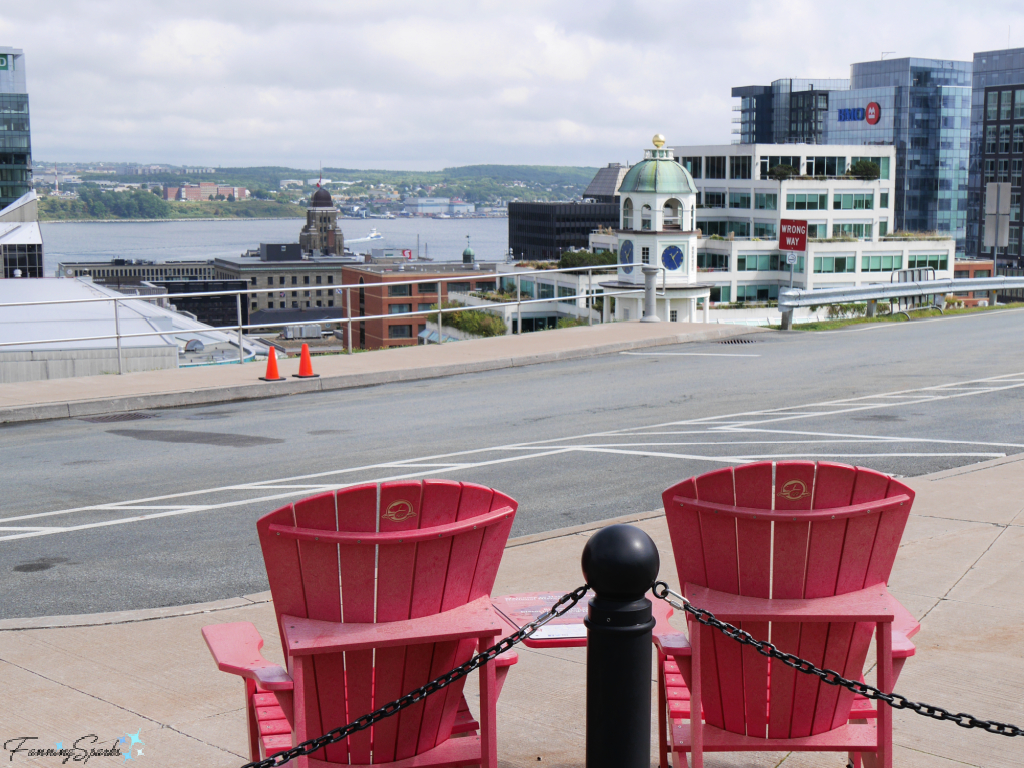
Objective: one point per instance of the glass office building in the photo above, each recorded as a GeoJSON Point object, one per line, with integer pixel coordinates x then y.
{"type": "Point", "coordinates": [789, 111]}
{"type": "Point", "coordinates": [15, 141]}
{"type": "Point", "coordinates": [922, 107]}
{"type": "Point", "coordinates": [997, 147]}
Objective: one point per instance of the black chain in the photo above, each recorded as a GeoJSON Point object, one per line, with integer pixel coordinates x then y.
{"type": "Point", "coordinates": [894, 700]}
{"type": "Point", "coordinates": [562, 606]}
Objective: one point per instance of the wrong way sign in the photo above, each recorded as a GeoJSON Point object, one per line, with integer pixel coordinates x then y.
{"type": "Point", "coordinates": [792, 235]}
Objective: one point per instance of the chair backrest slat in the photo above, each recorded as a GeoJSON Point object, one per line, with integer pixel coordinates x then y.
{"type": "Point", "coordinates": [385, 577]}
{"type": "Point", "coordinates": [797, 550]}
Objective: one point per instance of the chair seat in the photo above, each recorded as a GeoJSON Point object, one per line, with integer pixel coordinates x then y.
{"type": "Point", "coordinates": [276, 732]}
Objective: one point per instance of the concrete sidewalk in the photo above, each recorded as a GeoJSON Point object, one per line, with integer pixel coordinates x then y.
{"type": "Point", "coordinates": [148, 672]}
{"type": "Point", "coordinates": [94, 395]}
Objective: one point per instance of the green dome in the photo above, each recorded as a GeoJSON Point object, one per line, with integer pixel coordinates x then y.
{"type": "Point", "coordinates": [468, 252]}
{"type": "Point", "coordinates": [660, 176]}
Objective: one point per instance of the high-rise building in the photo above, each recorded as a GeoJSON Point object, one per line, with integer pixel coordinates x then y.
{"type": "Point", "coordinates": [997, 147]}
{"type": "Point", "coordinates": [15, 140]}
{"type": "Point", "coordinates": [920, 106]}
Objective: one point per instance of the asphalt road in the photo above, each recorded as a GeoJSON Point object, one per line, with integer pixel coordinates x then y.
{"type": "Point", "coordinates": [160, 510]}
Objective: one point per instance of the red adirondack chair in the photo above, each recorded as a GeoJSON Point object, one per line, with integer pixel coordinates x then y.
{"type": "Point", "coordinates": [799, 553]}
{"type": "Point", "coordinates": [374, 599]}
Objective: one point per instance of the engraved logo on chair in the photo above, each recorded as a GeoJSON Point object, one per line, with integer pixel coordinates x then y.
{"type": "Point", "coordinates": [794, 490]}
{"type": "Point", "coordinates": [398, 511]}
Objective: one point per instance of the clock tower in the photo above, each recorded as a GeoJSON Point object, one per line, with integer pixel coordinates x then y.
{"type": "Point", "coordinates": [657, 228]}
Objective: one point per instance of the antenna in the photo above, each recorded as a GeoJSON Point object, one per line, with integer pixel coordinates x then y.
{"type": "Point", "coordinates": [886, 53]}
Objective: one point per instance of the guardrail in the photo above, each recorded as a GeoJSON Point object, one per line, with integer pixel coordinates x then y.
{"type": "Point", "coordinates": [791, 298]}
{"type": "Point", "coordinates": [588, 294]}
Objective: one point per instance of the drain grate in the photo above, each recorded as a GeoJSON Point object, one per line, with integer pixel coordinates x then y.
{"type": "Point", "coordinates": [114, 417]}
{"type": "Point", "coordinates": [740, 340]}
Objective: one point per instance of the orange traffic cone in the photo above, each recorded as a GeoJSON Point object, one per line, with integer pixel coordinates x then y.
{"type": "Point", "coordinates": [272, 374]}
{"type": "Point", "coordinates": [305, 365]}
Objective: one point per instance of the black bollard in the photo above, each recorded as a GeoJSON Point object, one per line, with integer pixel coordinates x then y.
{"type": "Point", "coordinates": [620, 563]}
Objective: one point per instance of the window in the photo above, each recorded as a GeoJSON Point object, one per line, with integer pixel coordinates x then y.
{"type": "Point", "coordinates": [881, 162]}
{"type": "Point", "coordinates": [739, 228]}
{"type": "Point", "coordinates": [1015, 172]}
{"type": "Point", "coordinates": [294, 294]}
{"type": "Point", "coordinates": [739, 199]}
{"type": "Point", "coordinates": [739, 167]}
{"type": "Point", "coordinates": [396, 309]}
{"type": "Point", "coordinates": [710, 228]}
{"type": "Point", "coordinates": [423, 307]}
{"type": "Point", "coordinates": [857, 201]}
{"type": "Point", "coordinates": [880, 263]}
{"type": "Point", "coordinates": [924, 262]}
{"type": "Point", "coordinates": [883, 199]}
{"type": "Point", "coordinates": [1003, 170]}
{"type": "Point", "coordinates": [295, 279]}
{"type": "Point", "coordinates": [766, 230]}
{"type": "Point", "coordinates": [305, 279]}
{"type": "Point", "coordinates": [816, 231]}
{"type": "Point", "coordinates": [645, 217]}
{"type": "Point", "coordinates": [255, 305]}
{"type": "Point", "coordinates": [766, 201]}
{"type": "Point", "coordinates": [717, 262]}
{"type": "Point", "coordinates": [456, 288]}
{"type": "Point", "coordinates": [693, 165]}
{"type": "Point", "coordinates": [762, 262]}
{"type": "Point", "coordinates": [645, 254]}
{"type": "Point", "coordinates": [545, 291]}
{"type": "Point", "coordinates": [400, 332]}
{"type": "Point", "coordinates": [826, 166]}
{"type": "Point", "coordinates": [990, 140]}
{"type": "Point", "coordinates": [305, 293]}
{"type": "Point", "coordinates": [851, 230]}
{"type": "Point", "coordinates": [803, 202]}
{"type": "Point", "coordinates": [829, 264]}
{"type": "Point", "coordinates": [715, 167]}
{"type": "Point", "coordinates": [1015, 206]}
{"type": "Point", "coordinates": [1004, 139]}
{"type": "Point", "coordinates": [270, 281]}
{"type": "Point", "coordinates": [990, 170]}
{"type": "Point", "coordinates": [330, 279]}
{"type": "Point", "coordinates": [883, 228]}
{"type": "Point", "coordinates": [295, 304]}
{"type": "Point", "coordinates": [673, 316]}
{"type": "Point", "coordinates": [426, 288]}
{"type": "Point", "coordinates": [992, 105]}
{"type": "Point", "coordinates": [486, 285]}
{"type": "Point", "coordinates": [399, 290]}
{"type": "Point", "coordinates": [330, 302]}
{"type": "Point", "coordinates": [1006, 105]}
{"type": "Point", "coordinates": [756, 292]}
{"type": "Point", "coordinates": [770, 161]}
{"type": "Point", "coordinates": [714, 199]}
{"type": "Point", "coordinates": [280, 280]}
{"type": "Point", "coordinates": [720, 293]}
{"type": "Point", "coordinates": [627, 214]}
{"type": "Point", "coordinates": [319, 279]}
{"type": "Point", "coordinates": [1018, 139]}
{"type": "Point", "coordinates": [566, 294]}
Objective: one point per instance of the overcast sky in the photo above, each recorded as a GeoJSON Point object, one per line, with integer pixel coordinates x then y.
{"type": "Point", "coordinates": [426, 85]}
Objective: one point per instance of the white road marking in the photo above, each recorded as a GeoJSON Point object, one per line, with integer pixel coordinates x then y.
{"type": "Point", "coordinates": [726, 426]}
{"type": "Point", "coordinates": [684, 354]}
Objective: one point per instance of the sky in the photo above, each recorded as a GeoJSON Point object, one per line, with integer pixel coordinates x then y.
{"type": "Point", "coordinates": [428, 85]}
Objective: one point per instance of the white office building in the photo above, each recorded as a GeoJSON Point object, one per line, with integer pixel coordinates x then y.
{"type": "Point", "coordinates": [715, 211]}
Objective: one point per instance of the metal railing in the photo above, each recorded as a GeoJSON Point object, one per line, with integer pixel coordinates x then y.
{"type": "Point", "coordinates": [588, 296]}
{"type": "Point", "coordinates": [791, 298]}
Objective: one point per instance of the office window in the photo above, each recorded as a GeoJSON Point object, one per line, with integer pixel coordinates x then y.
{"type": "Point", "coordinates": [883, 199]}
{"type": "Point", "coordinates": [693, 164]}
{"type": "Point", "coordinates": [739, 167]}
{"type": "Point", "coordinates": [486, 285]}
{"type": "Point", "coordinates": [426, 288]}
{"type": "Point", "coordinates": [305, 293]}
{"type": "Point", "coordinates": [925, 262]}
{"type": "Point", "coordinates": [545, 291]}
{"type": "Point", "coordinates": [330, 279]}
{"type": "Point", "coordinates": [294, 294]}
{"type": "Point", "coordinates": [826, 166]}
{"type": "Point", "coordinates": [881, 162]}
{"type": "Point", "coordinates": [739, 228]}
{"type": "Point", "coordinates": [739, 199]}
{"type": "Point", "coordinates": [990, 170]}
{"type": "Point", "coordinates": [280, 280]}
{"type": "Point", "coordinates": [990, 140]}
{"type": "Point", "coordinates": [759, 262]}
{"type": "Point", "coordinates": [816, 231]}
{"type": "Point", "coordinates": [770, 161]}
{"type": "Point", "coordinates": [295, 279]}
{"type": "Point", "coordinates": [254, 305]}
{"type": "Point", "coordinates": [305, 279]}
{"type": "Point", "coordinates": [400, 332]}
{"type": "Point", "coordinates": [270, 281]}
{"type": "Point", "coordinates": [1015, 172]}
{"type": "Point", "coordinates": [714, 199]}
{"type": "Point", "coordinates": [883, 228]}
{"type": "Point", "coordinates": [319, 279]}
{"type": "Point", "coordinates": [1018, 139]}
{"type": "Point", "coordinates": [710, 228]}
{"type": "Point", "coordinates": [295, 304]}
{"type": "Point", "coordinates": [396, 309]}
{"type": "Point", "coordinates": [1003, 170]}
{"type": "Point", "coordinates": [756, 292]}
{"type": "Point", "coordinates": [720, 293]}
{"type": "Point", "coordinates": [399, 290]}
{"type": "Point", "coordinates": [1004, 139]}
{"type": "Point", "coordinates": [645, 217]}
{"type": "Point", "coordinates": [1006, 105]}
{"type": "Point", "coordinates": [330, 302]}
{"type": "Point", "coordinates": [992, 105]}
{"type": "Point", "coordinates": [852, 230]}
{"type": "Point", "coordinates": [857, 201]}
{"type": "Point", "coordinates": [715, 167]}
{"type": "Point", "coordinates": [1015, 206]}
{"type": "Point", "coordinates": [718, 262]}
{"type": "Point", "coordinates": [673, 316]}
{"type": "Point", "coordinates": [566, 294]}
{"type": "Point", "coordinates": [880, 263]}
{"type": "Point", "coordinates": [830, 264]}
{"type": "Point", "coordinates": [804, 202]}
{"type": "Point", "coordinates": [422, 307]}
{"type": "Point", "coordinates": [645, 254]}
{"type": "Point", "coordinates": [766, 201]}
{"type": "Point", "coordinates": [766, 230]}
{"type": "Point", "coordinates": [1018, 106]}
{"type": "Point", "coordinates": [252, 281]}
{"type": "Point", "coordinates": [457, 288]}
{"type": "Point", "coordinates": [319, 293]}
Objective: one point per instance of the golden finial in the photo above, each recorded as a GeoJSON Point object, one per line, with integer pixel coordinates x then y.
{"type": "Point", "coordinates": [659, 140]}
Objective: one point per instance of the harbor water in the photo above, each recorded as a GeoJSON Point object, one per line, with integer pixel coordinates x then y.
{"type": "Point", "coordinates": [439, 239]}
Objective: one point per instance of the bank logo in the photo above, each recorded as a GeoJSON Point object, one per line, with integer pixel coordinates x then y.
{"type": "Point", "coordinates": [794, 490]}
{"type": "Point", "coordinates": [398, 511]}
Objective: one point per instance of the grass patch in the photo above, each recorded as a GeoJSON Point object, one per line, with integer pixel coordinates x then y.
{"type": "Point", "coordinates": [831, 325]}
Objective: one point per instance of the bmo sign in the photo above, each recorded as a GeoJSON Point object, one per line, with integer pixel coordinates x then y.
{"type": "Point", "coordinates": [870, 114]}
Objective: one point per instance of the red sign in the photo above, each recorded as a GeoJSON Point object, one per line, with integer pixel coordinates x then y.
{"type": "Point", "coordinates": [792, 235]}
{"type": "Point", "coordinates": [873, 113]}
{"type": "Point", "coordinates": [407, 253]}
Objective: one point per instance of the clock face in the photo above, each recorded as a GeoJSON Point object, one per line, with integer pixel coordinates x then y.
{"type": "Point", "coordinates": [626, 256]}
{"type": "Point", "coordinates": [672, 257]}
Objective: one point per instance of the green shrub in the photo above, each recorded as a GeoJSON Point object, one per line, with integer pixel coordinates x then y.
{"type": "Point", "coordinates": [572, 259]}
{"type": "Point", "coordinates": [472, 321]}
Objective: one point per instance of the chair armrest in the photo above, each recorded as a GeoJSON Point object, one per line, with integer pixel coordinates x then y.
{"type": "Point", "coordinates": [667, 638]}
{"type": "Point", "coordinates": [871, 604]}
{"type": "Point", "coordinates": [506, 659]}
{"type": "Point", "coordinates": [904, 627]}
{"type": "Point", "coordinates": [236, 649]}
{"type": "Point", "coordinates": [305, 637]}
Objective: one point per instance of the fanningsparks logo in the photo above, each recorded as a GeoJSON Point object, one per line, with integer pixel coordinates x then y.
{"type": "Point", "coordinates": [81, 750]}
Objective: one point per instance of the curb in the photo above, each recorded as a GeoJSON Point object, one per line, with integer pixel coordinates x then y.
{"type": "Point", "coordinates": [258, 391]}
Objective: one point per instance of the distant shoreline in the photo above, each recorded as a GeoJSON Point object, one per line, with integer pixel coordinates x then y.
{"type": "Point", "coordinates": [164, 221]}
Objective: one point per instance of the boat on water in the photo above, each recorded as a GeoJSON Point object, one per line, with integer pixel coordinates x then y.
{"type": "Point", "coordinates": [370, 238]}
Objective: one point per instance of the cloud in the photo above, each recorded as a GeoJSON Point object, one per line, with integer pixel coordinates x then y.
{"type": "Point", "coordinates": [427, 85]}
